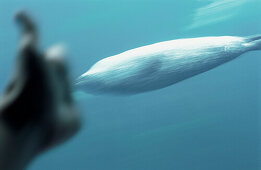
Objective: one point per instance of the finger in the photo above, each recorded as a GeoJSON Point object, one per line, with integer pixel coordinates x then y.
{"type": "Point", "coordinates": [66, 118]}
{"type": "Point", "coordinates": [22, 18]}
{"type": "Point", "coordinates": [28, 30]}
{"type": "Point", "coordinates": [25, 99]}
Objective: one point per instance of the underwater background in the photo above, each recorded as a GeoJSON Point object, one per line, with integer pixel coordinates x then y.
{"type": "Point", "coordinates": [208, 122]}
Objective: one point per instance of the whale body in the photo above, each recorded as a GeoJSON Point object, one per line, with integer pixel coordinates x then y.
{"type": "Point", "coordinates": [162, 64]}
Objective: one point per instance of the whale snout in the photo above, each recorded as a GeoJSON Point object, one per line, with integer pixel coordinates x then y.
{"type": "Point", "coordinates": [86, 83]}
{"type": "Point", "coordinates": [80, 82]}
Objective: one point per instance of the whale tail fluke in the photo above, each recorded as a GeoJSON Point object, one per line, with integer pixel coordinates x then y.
{"type": "Point", "coordinates": [254, 42]}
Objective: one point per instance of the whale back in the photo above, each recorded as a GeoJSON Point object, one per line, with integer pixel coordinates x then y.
{"type": "Point", "coordinates": [162, 64]}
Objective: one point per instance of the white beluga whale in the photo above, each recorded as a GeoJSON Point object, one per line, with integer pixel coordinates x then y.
{"type": "Point", "coordinates": [162, 64]}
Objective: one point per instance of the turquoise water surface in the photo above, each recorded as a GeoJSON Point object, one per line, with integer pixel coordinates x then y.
{"type": "Point", "coordinates": [208, 122]}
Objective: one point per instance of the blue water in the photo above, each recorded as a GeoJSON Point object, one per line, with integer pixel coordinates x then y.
{"type": "Point", "coordinates": [209, 122]}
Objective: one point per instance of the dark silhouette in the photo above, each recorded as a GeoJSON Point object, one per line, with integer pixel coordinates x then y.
{"type": "Point", "coordinates": [36, 110]}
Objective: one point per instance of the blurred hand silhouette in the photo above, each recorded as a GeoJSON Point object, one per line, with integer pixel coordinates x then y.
{"type": "Point", "coordinates": [36, 110]}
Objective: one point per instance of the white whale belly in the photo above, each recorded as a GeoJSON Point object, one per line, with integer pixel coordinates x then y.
{"type": "Point", "coordinates": [159, 65]}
